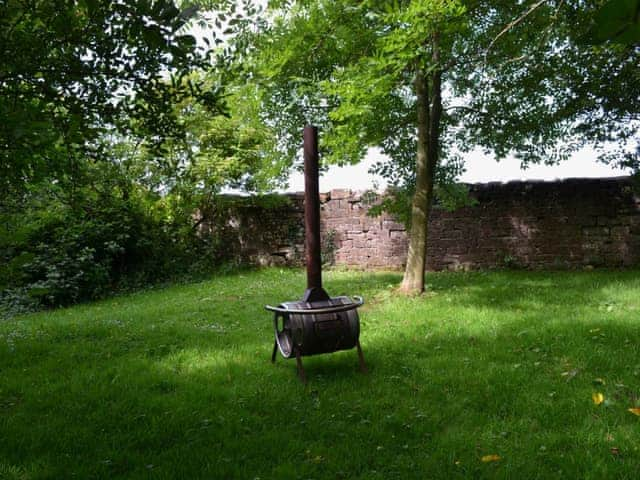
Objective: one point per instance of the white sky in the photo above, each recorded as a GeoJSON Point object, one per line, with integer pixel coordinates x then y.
{"type": "Point", "coordinates": [480, 168]}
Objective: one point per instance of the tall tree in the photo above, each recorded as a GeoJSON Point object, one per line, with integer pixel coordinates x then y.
{"type": "Point", "coordinates": [429, 79]}
{"type": "Point", "coordinates": [70, 68]}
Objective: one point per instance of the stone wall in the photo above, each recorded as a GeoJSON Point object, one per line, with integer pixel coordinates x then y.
{"type": "Point", "coordinates": [564, 224]}
{"type": "Point", "coordinates": [258, 232]}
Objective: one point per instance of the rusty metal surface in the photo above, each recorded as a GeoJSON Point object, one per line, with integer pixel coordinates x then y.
{"type": "Point", "coordinates": [330, 309]}
{"type": "Point", "coordinates": [312, 207]}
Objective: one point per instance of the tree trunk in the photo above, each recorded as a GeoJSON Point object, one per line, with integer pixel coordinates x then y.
{"type": "Point", "coordinates": [429, 114]}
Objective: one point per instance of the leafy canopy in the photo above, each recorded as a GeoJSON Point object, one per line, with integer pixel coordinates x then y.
{"type": "Point", "coordinates": [71, 68]}
{"type": "Point", "coordinates": [517, 80]}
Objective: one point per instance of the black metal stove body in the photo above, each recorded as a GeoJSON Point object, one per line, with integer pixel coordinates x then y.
{"type": "Point", "coordinates": [317, 323]}
{"type": "Point", "coordinates": [301, 326]}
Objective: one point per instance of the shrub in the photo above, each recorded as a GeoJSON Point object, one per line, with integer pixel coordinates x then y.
{"type": "Point", "coordinates": [63, 254]}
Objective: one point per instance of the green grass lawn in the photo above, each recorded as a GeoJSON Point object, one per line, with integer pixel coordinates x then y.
{"type": "Point", "coordinates": [177, 383]}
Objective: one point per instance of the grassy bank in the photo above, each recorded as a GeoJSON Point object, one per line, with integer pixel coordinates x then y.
{"type": "Point", "coordinates": [177, 383]}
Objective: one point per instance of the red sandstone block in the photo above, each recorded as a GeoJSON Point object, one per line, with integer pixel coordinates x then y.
{"type": "Point", "coordinates": [332, 205]}
{"type": "Point", "coordinates": [398, 235]}
{"type": "Point", "coordinates": [392, 225]}
{"type": "Point", "coordinates": [450, 235]}
{"type": "Point", "coordinates": [338, 194]}
{"type": "Point", "coordinates": [339, 215]}
{"type": "Point", "coordinates": [591, 246]}
{"type": "Point", "coordinates": [355, 197]}
{"type": "Point", "coordinates": [456, 249]}
{"type": "Point", "coordinates": [585, 220]}
{"type": "Point", "coordinates": [595, 231]}
{"type": "Point", "coordinates": [371, 221]}
{"type": "Point", "coordinates": [494, 231]}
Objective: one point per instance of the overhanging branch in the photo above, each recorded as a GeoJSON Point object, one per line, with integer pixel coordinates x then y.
{"type": "Point", "coordinates": [512, 24]}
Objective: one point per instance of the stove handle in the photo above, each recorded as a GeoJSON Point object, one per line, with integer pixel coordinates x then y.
{"type": "Point", "coordinates": [319, 311]}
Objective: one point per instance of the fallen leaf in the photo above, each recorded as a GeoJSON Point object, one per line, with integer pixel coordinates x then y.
{"type": "Point", "coordinates": [598, 398]}
{"type": "Point", "coordinates": [491, 458]}
{"type": "Point", "coordinates": [615, 451]}
{"type": "Point", "coordinates": [635, 411]}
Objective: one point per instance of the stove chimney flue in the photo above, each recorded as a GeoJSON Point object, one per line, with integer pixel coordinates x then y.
{"type": "Point", "coordinates": [312, 216]}
{"type": "Point", "coordinates": [317, 323]}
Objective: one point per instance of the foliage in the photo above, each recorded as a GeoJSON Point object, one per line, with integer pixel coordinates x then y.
{"type": "Point", "coordinates": [70, 69]}
{"type": "Point", "coordinates": [396, 202]}
{"type": "Point", "coordinates": [59, 253]}
{"type": "Point", "coordinates": [617, 21]}
{"type": "Point", "coordinates": [548, 94]}
{"type": "Point", "coordinates": [113, 139]}
{"type": "Point", "coordinates": [534, 91]}
{"type": "Point", "coordinates": [125, 221]}
{"type": "Point", "coordinates": [177, 383]}
{"type": "Point", "coordinates": [400, 175]}
{"type": "Point", "coordinates": [217, 152]}
{"type": "Point", "coordinates": [428, 80]}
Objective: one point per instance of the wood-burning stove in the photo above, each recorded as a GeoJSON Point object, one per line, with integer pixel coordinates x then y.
{"type": "Point", "coordinates": [317, 323]}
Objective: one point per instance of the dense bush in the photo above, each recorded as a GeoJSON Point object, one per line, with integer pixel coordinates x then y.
{"type": "Point", "coordinates": [55, 253]}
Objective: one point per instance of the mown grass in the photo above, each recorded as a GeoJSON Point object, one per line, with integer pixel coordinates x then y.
{"type": "Point", "coordinates": [177, 383]}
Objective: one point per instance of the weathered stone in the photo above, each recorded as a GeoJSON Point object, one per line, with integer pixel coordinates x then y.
{"type": "Point", "coordinates": [392, 225]}
{"type": "Point", "coordinates": [534, 224]}
{"type": "Point", "coordinates": [596, 231]}
{"type": "Point", "coordinates": [338, 194]}
{"type": "Point", "coordinates": [620, 232]}
{"type": "Point", "coordinates": [608, 221]}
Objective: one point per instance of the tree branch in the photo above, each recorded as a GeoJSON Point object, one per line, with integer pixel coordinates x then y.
{"type": "Point", "coordinates": [513, 24]}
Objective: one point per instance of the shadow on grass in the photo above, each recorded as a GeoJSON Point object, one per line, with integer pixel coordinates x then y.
{"type": "Point", "coordinates": [502, 289]}
{"type": "Point", "coordinates": [174, 397]}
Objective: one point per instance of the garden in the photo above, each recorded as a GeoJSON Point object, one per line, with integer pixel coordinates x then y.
{"type": "Point", "coordinates": [144, 147]}
{"type": "Point", "coordinates": [489, 375]}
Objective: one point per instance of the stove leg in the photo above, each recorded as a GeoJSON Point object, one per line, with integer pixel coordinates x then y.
{"type": "Point", "coordinates": [363, 366]}
{"type": "Point", "coordinates": [275, 350]}
{"type": "Point", "coordinates": [301, 374]}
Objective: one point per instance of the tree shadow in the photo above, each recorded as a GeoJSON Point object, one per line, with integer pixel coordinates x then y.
{"type": "Point", "coordinates": [103, 400]}
{"type": "Point", "coordinates": [504, 289]}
